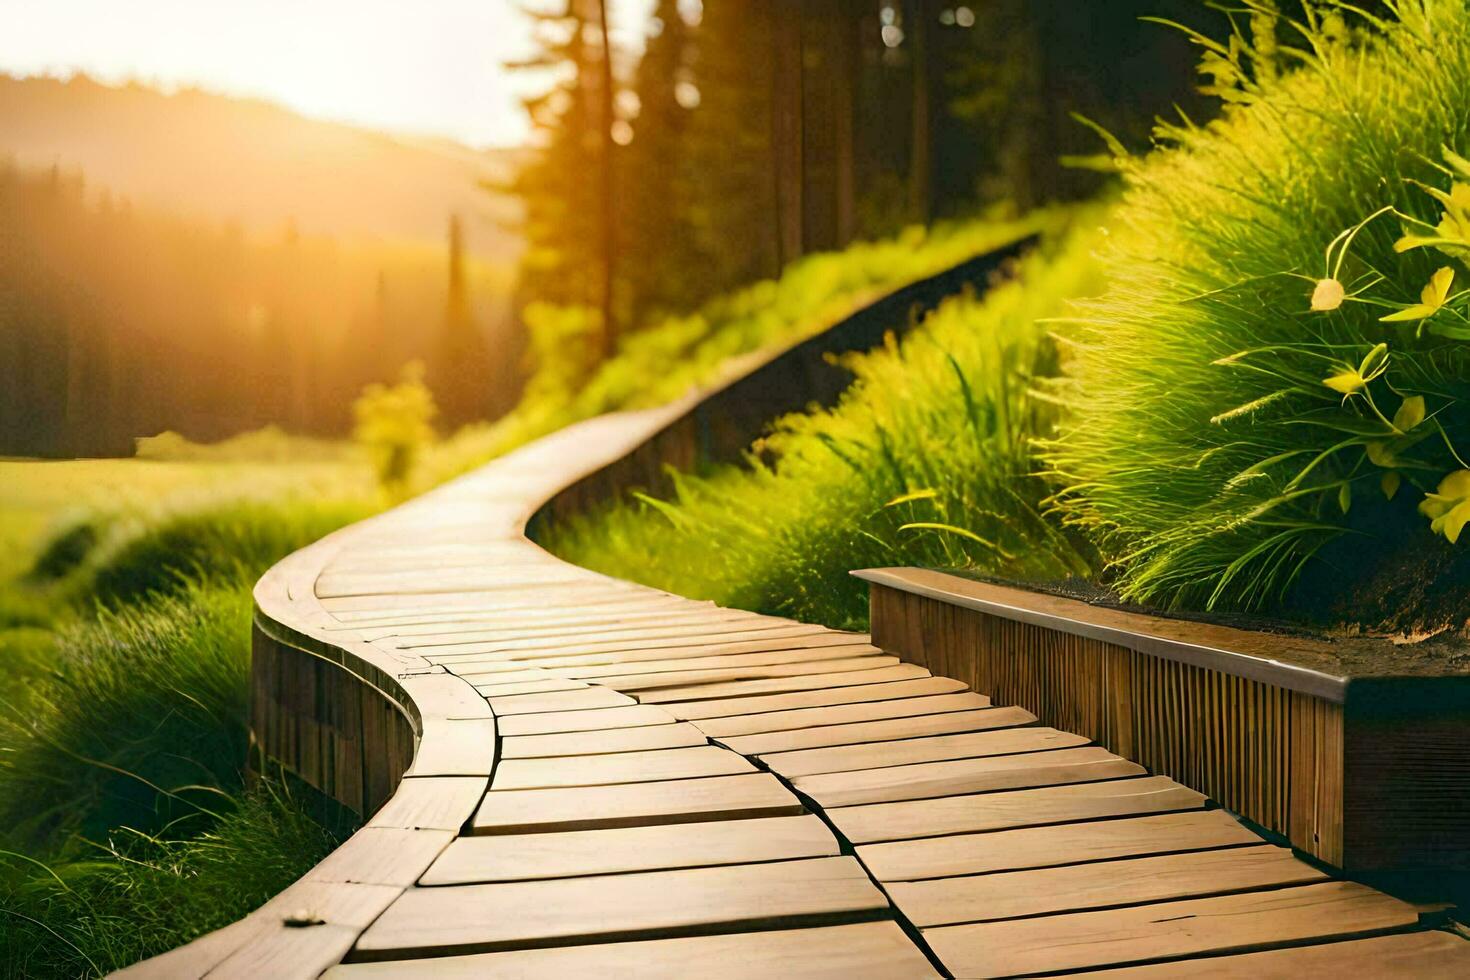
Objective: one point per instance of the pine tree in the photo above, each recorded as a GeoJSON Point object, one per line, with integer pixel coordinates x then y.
{"type": "Point", "coordinates": [565, 185]}
{"type": "Point", "coordinates": [461, 368]}
{"type": "Point", "coordinates": [661, 186]}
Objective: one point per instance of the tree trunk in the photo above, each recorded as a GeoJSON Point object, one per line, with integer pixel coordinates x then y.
{"type": "Point", "coordinates": [786, 128]}
{"type": "Point", "coordinates": [609, 233]}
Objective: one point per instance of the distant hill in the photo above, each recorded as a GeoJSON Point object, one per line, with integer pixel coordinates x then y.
{"type": "Point", "coordinates": [236, 160]}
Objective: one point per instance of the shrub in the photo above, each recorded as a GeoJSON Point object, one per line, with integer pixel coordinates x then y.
{"type": "Point", "coordinates": [393, 424]}
{"type": "Point", "coordinates": [1233, 415]}
{"type": "Point", "coordinates": [926, 460]}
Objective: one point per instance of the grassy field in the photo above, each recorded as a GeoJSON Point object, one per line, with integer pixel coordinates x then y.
{"type": "Point", "coordinates": [126, 827]}
{"type": "Point", "coordinates": [37, 497]}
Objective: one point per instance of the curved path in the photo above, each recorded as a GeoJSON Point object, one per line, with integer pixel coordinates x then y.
{"type": "Point", "coordinates": [615, 781]}
{"type": "Point", "coordinates": [610, 780]}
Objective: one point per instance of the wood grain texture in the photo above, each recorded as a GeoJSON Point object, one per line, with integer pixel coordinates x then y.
{"type": "Point", "coordinates": [781, 685]}
{"type": "Point", "coordinates": [841, 714]}
{"type": "Point", "coordinates": [879, 950]}
{"type": "Point", "coordinates": [875, 755]}
{"type": "Point", "coordinates": [634, 804]}
{"type": "Point", "coordinates": [431, 803]}
{"type": "Point", "coordinates": [382, 856]}
{"type": "Point", "coordinates": [601, 741]}
{"type": "Point", "coordinates": [1267, 740]}
{"type": "Point", "coordinates": [1421, 955]}
{"type": "Point", "coordinates": [659, 904]}
{"type": "Point", "coordinates": [958, 777]}
{"type": "Point", "coordinates": [868, 693]}
{"type": "Point", "coordinates": [595, 852]}
{"type": "Point", "coordinates": [564, 722]}
{"type": "Point", "coordinates": [1021, 808]}
{"type": "Point", "coordinates": [622, 767]}
{"type": "Point", "coordinates": [888, 730]}
{"type": "Point", "coordinates": [1020, 894]}
{"type": "Point", "coordinates": [1169, 929]}
{"type": "Point", "coordinates": [1044, 847]}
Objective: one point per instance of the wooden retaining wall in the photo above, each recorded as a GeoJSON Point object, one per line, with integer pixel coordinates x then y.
{"type": "Point", "coordinates": [1366, 773]}
{"type": "Point", "coordinates": [720, 425]}
{"type": "Point", "coordinates": [337, 731]}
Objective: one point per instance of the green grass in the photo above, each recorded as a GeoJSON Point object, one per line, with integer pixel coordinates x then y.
{"type": "Point", "coordinates": [38, 498]}
{"type": "Point", "coordinates": [663, 361]}
{"type": "Point", "coordinates": [126, 827]}
{"type": "Point", "coordinates": [926, 460]}
{"type": "Point", "coordinates": [1204, 450]}
{"type": "Point", "coordinates": [135, 896]}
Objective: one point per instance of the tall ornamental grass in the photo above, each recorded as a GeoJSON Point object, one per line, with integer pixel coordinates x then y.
{"type": "Point", "coordinates": [927, 459]}
{"type": "Point", "coordinates": [1274, 387]}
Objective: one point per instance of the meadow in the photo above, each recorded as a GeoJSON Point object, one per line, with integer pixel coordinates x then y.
{"type": "Point", "coordinates": [129, 826]}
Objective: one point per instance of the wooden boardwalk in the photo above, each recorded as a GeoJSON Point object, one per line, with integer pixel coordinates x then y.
{"type": "Point", "coordinates": [615, 781]}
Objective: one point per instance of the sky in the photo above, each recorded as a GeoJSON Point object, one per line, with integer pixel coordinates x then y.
{"type": "Point", "coordinates": [423, 67]}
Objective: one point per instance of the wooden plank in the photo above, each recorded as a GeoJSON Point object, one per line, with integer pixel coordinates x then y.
{"type": "Point", "coordinates": [1044, 847]}
{"type": "Point", "coordinates": [781, 685]}
{"type": "Point", "coordinates": [889, 730]}
{"type": "Point", "coordinates": [565, 722]}
{"type": "Point", "coordinates": [431, 803]}
{"type": "Point", "coordinates": [1083, 887]}
{"type": "Point", "coordinates": [1171, 929]}
{"type": "Point", "coordinates": [583, 611]}
{"type": "Point", "coordinates": [527, 857]}
{"type": "Point", "coordinates": [345, 909]}
{"type": "Point", "coordinates": [639, 624]}
{"type": "Point", "coordinates": [866, 694]}
{"type": "Point", "coordinates": [382, 856]}
{"type": "Point", "coordinates": [286, 951]}
{"type": "Point", "coordinates": [601, 742]}
{"type": "Point", "coordinates": [455, 747]}
{"type": "Point", "coordinates": [411, 604]}
{"type": "Point", "coordinates": [547, 684]}
{"type": "Point", "coordinates": [623, 767]}
{"type": "Point", "coordinates": [729, 661]}
{"type": "Point", "coordinates": [930, 780]}
{"type": "Point", "coordinates": [583, 700]}
{"type": "Point", "coordinates": [695, 643]}
{"type": "Point", "coordinates": [938, 748]}
{"type": "Point", "coordinates": [841, 714]}
{"type": "Point", "coordinates": [1421, 955]}
{"type": "Point", "coordinates": [558, 661]}
{"type": "Point", "coordinates": [662, 904]}
{"type": "Point", "coordinates": [634, 804]}
{"type": "Point", "coordinates": [551, 638]}
{"type": "Point", "coordinates": [811, 672]}
{"type": "Point", "coordinates": [879, 950]}
{"type": "Point", "coordinates": [1020, 808]}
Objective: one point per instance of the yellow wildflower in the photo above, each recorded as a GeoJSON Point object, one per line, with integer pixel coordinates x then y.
{"type": "Point", "coordinates": [1431, 299]}
{"type": "Point", "coordinates": [1448, 508]}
